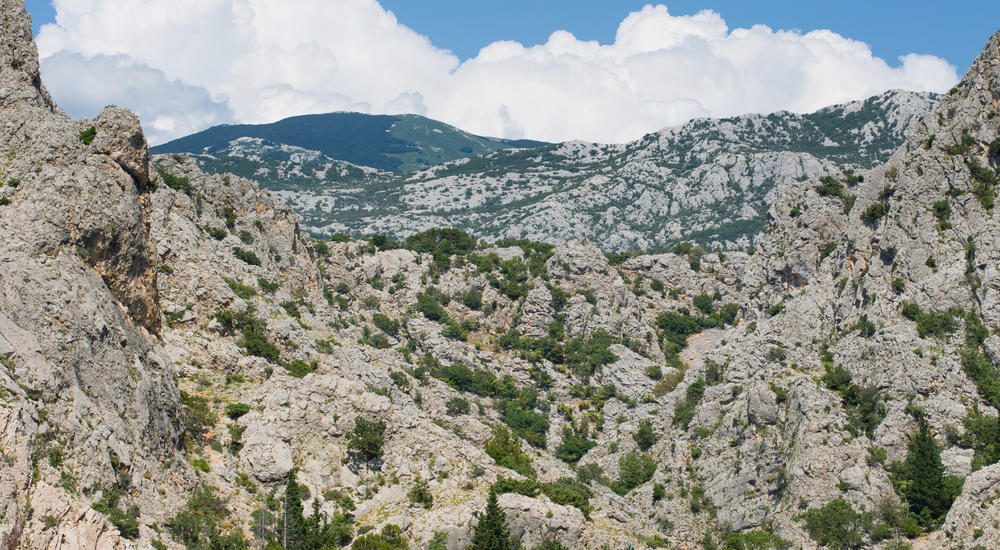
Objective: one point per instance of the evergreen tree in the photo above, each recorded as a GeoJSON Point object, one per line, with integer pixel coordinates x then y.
{"type": "Point", "coordinates": [491, 532]}
{"type": "Point", "coordinates": [293, 522]}
{"type": "Point", "coordinates": [925, 490]}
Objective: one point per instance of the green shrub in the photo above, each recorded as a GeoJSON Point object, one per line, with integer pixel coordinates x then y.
{"type": "Point", "coordinates": [216, 233]}
{"type": "Point", "coordinates": [385, 324]}
{"type": "Point", "coordinates": [367, 438]}
{"type": "Point", "coordinates": [836, 378]}
{"type": "Point", "coordinates": [236, 410]}
{"type": "Point", "coordinates": [473, 299]}
{"type": "Point", "coordinates": [429, 307]}
{"type": "Point", "coordinates": [836, 525]}
{"type": "Point", "coordinates": [865, 327]}
{"type": "Point", "coordinates": [197, 414]}
{"type": "Point", "coordinates": [942, 210]}
{"type": "Point", "coordinates": [634, 469]}
{"type": "Point", "coordinates": [644, 436]}
{"type": "Point", "coordinates": [875, 212]}
{"type": "Point", "coordinates": [457, 406]}
{"type": "Point", "coordinates": [87, 136]}
{"type": "Point", "coordinates": [574, 444]}
{"type": "Point", "coordinates": [505, 449]}
{"type": "Point", "coordinates": [420, 494]}
{"type": "Point", "coordinates": [299, 368]}
{"type": "Point", "coordinates": [685, 410]}
{"type": "Point", "coordinates": [898, 285]}
{"type": "Point", "coordinates": [267, 286]}
{"type": "Point", "coordinates": [321, 248]}
{"type": "Point", "coordinates": [755, 540]}
{"type": "Point", "coordinates": [929, 322]}
{"type": "Point", "coordinates": [240, 289]}
{"type": "Point", "coordinates": [246, 255]}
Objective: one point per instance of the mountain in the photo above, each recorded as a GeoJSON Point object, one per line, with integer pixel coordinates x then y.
{"type": "Point", "coordinates": [181, 366]}
{"type": "Point", "coordinates": [394, 143]}
{"type": "Point", "coordinates": [709, 181]}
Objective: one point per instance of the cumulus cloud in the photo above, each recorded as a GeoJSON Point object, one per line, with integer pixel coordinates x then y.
{"type": "Point", "coordinates": [268, 59]}
{"type": "Point", "coordinates": [167, 108]}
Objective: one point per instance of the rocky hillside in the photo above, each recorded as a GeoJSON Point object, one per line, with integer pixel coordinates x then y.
{"type": "Point", "coordinates": [709, 181]}
{"type": "Point", "coordinates": [182, 367]}
{"type": "Point", "coordinates": [311, 143]}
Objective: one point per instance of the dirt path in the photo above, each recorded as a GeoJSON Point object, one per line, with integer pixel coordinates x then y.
{"type": "Point", "coordinates": [699, 344]}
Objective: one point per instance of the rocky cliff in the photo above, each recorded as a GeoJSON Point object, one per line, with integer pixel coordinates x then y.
{"type": "Point", "coordinates": [175, 350]}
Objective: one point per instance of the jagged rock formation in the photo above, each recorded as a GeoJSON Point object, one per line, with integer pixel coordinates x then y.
{"type": "Point", "coordinates": [84, 386]}
{"type": "Point", "coordinates": [709, 180]}
{"type": "Point", "coordinates": [680, 398]}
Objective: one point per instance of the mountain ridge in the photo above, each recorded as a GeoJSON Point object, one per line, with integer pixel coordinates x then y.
{"type": "Point", "coordinates": [710, 180]}
{"type": "Point", "coordinates": [387, 142]}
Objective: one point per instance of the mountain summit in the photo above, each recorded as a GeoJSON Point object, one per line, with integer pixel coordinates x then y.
{"type": "Point", "coordinates": [395, 143]}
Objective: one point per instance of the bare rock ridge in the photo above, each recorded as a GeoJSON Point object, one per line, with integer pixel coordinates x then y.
{"type": "Point", "coordinates": [173, 350]}
{"type": "Point", "coordinates": [81, 377]}
{"type": "Point", "coordinates": [20, 80]}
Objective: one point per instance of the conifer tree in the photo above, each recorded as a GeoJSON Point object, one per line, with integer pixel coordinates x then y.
{"type": "Point", "coordinates": [925, 491]}
{"type": "Point", "coordinates": [293, 520]}
{"type": "Point", "coordinates": [491, 532]}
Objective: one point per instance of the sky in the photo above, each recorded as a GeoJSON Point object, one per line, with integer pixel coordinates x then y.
{"type": "Point", "coordinates": [555, 70]}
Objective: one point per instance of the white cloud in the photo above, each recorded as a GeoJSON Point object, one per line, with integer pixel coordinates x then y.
{"type": "Point", "coordinates": [268, 59]}
{"type": "Point", "coordinates": [167, 108]}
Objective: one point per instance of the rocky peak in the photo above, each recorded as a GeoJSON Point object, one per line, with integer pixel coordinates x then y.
{"type": "Point", "coordinates": [20, 80]}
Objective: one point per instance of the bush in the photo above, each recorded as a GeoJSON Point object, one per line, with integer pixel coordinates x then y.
{"type": "Point", "coordinates": [216, 233]}
{"type": "Point", "coordinates": [420, 494]}
{"type": "Point", "coordinates": [368, 438]}
{"type": "Point", "coordinates": [755, 540]}
{"type": "Point", "coordinates": [837, 378]}
{"type": "Point", "coordinates": [299, 368]}
{"type": "Point", "coordinates": [236, 410]}
{"type": "Point", "coordinates": [505, 449]}
{"type": "Point", "coordinates": [473, 299]}
{"type": "Point", "coordinates": [267, 286]}
{"type": "Point", "coordinates": [574, 445]}
{"type": "Point", "coordinates": [429, 307]}
{"type": "Point", "coordinates": [898, 285]}
{"type": "Point", "coordinates": [87, 136]}
{"type": "Point", "coordinates": [243, 291]}
{"type": "Point", "coordinates": [835, 525]}
{"type": "Point", "coordinates": [198, 526]}
{"type": "Point", "coordinates": [457, 406]}
{"type": "Point", "coordinates": [386, 324]}
{"type": "Point", "coordinates": [197, 414]}
{"type": "Point", "coordinates": [246, 255]}
{"type": "Point", "coordinates": [865, 327]}
{"type": "Point", "coordinates": [634, 469]}
{"type": "Point", "coordinates": [644, 436]}
{"type": "Point", "coordinates": [246, 237]}
{"type": "Point", "coordinates": [685, 410]}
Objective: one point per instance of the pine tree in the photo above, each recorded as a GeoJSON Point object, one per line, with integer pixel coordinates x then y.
{"type": "Point", "coordinates": [491, 532]}
{"type": "Point", "coordinates": [925, 489]}
{"type": "Point", "coordinates": [293, 521]}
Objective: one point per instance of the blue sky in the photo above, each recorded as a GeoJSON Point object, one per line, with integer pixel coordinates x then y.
{"type": "Point", "coordinates": [506, 69]}
{"type": "Point", "coordinates": [891, 28]}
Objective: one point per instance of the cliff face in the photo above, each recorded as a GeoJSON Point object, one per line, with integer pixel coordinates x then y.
{"type": "Point", "coordinates": [682, 398]}
{"type": "Point", "coordinates": [81, 377]}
